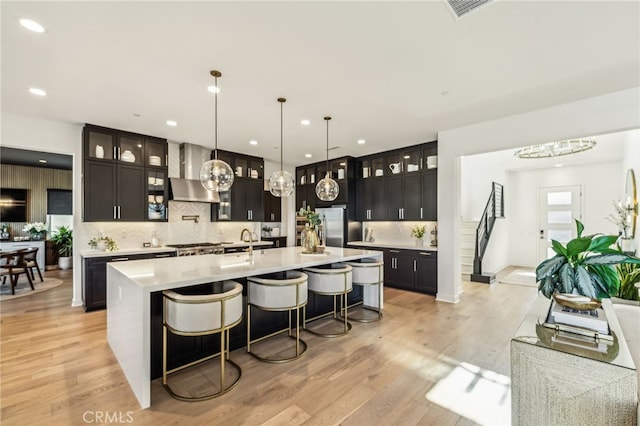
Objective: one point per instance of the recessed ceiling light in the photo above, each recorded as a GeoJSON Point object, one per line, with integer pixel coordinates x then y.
{"type": "Point", "coordinates": [558, 165]}
{"type": "Point", "coordinates": [37, 92]}
{"type": "Point", "coordinates": [361, 141]}
{"type": "Point", "coordinates": [445, 93]}
{"type": "Point", "coordinates": [31, 25]}
{"type": "Point", "coordinates": [135, 114]}
{"type": "Point", "coordinates": [406, 157]}
{"type": "Point", "coordinates": [42, 161]}
{"type": "Point", "coordinates": [343, 164]}
{"type": "Point", "coordinates": [253, 142]}
{"type": "Point", "coordinates": [308, 155]}
{"type": "Point", "coordinates": [172, 123]}
{"type": "Point", "coordinates": [213, 89]}
{"type": "Point", "coordinates": [305, 122]}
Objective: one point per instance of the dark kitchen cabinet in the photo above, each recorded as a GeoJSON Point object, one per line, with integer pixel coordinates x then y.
{"type": "Point", "coordinates": [278, 242]}
{"type": "Point", "coordinates": [244, 202]}
{"type": "Point", "coordinates": [403, 195]}
{"type": "Point", "coordinates": [94, 276]}
{"type": "Point", "coordinates": [118, 169]}
{"type": "Point", "coordinates": [342, 171]}
{"type": "Point", "coordinates": [272, 207]}
{"type": "Point", "coordinates": [430, 195]}
{"type": "Point", "coordinates": [371, 199]}
{"type": "Point", "coordinates": [426, 271]}
{"type": "Point", "coordinates": [414, 270]}
{"type": "Point", "coordinates": [306, 197]}
{"type": "Point", "coordinates": [113, 192]}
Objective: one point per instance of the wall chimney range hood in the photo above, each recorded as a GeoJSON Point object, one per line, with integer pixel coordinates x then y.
{"type": "Point", "coordinates": [188, 187]}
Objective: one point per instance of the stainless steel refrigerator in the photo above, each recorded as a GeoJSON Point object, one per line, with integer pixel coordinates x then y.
{"type": "Point", "coordinates": [337, 231]}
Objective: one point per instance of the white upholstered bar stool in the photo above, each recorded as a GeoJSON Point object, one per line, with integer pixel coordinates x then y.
{"type": "Point", "coordinates": [278, 292]}
{"type": "Point", "coordinates": [368, 272]}
{"type": "Point", "coordinates": [333, 280]}
{"type": "Point", "coordinates": [201, 315]}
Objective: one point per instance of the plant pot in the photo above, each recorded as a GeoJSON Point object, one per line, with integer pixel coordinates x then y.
{"type": "Point", "coordinates": [65, 262]}
{"type": "Point", "coordinates": [419, 242]}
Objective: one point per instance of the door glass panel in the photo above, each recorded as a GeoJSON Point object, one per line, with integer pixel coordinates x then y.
{"type": "Point", "coordinates": [559, 216]}
{"type": "Point", "coordinates": [339, 170]}
{"type": "Point", "coordinates": [559, 198]}
{"type": "Point", "coordinates": [155, 154]}
{"type": "Point", "coordinates": [224, 207]}
{"type": "Point", "coordinates": [412, 160]}
{"type": "Point", "coordinates": [378, 167]}
{"type": "Point", "coordinates": [241, 169]}
{"type": "Point", "coordinates": [131, 150]}
{"type": "Point", "coordinates": [157, 205]}
{"type": "Point", "coordinates": [561, 235]}
{"type": "Point", "coordinates": [255, 169]}
{"type": "Point", "coordinates": [365, 171]}
{"type": "Point", "coordinates": [100, 145]}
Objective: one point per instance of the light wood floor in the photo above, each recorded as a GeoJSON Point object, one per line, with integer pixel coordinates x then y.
{"type": "Point", "coordinates": [57, 368]}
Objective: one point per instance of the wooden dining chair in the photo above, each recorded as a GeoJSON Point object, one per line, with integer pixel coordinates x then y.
{"type": "Point", "coordinates": [12, 265]}
{"type": "Point", "coordinates": [31, 261]}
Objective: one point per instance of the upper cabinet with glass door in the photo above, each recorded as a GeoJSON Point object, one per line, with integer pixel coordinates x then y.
{"type": "Point", "coordinates": [106, 144]}
{"type": "Point", "coordinates": [372, 166]}
{"type": "Point", "coordinates": [156, 153]}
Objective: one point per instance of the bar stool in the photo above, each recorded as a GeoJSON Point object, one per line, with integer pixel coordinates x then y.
{"type": "Point", "coordinates": [333, 280]}
{"type": "Point", "coordinates": [201, 315]}
{"type": "Point", "coordinates": [368, 272]}
{"type": "Point", "coordinates": [278, 292]}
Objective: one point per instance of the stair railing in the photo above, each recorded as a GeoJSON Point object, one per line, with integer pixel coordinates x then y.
{"type": "Point", "coordinates": [493, 210]}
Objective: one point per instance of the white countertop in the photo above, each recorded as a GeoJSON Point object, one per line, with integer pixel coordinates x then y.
{"type": "Point", "coordinates": [125, 251]}
{"type": "Point", "coordinates": [173, 272]}
{"type": "Point", "coordinates": [392, 246]}
{"type": "Point", "coordinates": [163, 249]}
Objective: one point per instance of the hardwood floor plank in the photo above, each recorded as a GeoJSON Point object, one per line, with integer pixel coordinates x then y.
{"type": "Point", "coordinates": [56, 366]}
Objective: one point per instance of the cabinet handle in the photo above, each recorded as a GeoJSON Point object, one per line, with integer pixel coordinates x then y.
{"type": "Point", "coordinates": [425, 254]}
{"type": "Point", "coordinates": [415, 265]}
{"type": "Point", "coordinates": [420, 212]}
{"type": "Point", "coordinates": [118, 150]}
{"type": "Point", "coordinates": [163, 255]}
{"type": "Point", "coordinates": [166, 159]}
{"type": "Point", "coordinates": [115, 153]}
{"type": "Point", "coordinates": [394, 251]}
{"type": "Point", "coordinates": [115, 212]}
{"type": "Point", "coordinates": [119, 215]}
{"type": "Point", "coordinates": [273, 217]}
{"type": "Point", "coordinates": [120, 259]}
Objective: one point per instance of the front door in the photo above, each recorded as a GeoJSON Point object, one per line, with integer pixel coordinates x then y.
{"type": "Point", "coordinates": [558, 207]}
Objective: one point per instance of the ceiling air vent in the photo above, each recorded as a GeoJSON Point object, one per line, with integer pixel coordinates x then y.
{"type": "Point", "coordinates": [461, 8]}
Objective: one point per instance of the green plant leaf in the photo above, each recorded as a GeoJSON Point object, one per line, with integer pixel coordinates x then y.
{"type": "Point", "coordinates": [605, 259]}
{"type": "Point", "coordinates": [546, 287]}
{"type": "Point", "coordinates": [583, 283]}
{"type": "Point", "coordinates": [577, 246]}
{"type": "Point", "coordinates": [549, 267]}
{"type": "Point", "coordinates": [565, 278]}
{"type": "Point", "coordinates": [579, 227]}
{"type": "Point", "coordinates": [602, 243]}
{"type": "Point", "coordinates": [600, 286]}
{"type": "Point", "coordinates": [558, 248]}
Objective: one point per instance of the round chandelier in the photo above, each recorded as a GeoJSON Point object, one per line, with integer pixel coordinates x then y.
{"type": "Point", "coordinates": [281, 182]}
{"type": "Point", "coordinates": [556, 149]}
{"type": "Point", "coordinates": [216, 175]}
{"type": "Point", "coordinates": [327, 189]}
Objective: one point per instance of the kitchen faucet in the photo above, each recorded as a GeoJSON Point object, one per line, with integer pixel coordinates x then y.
{"type": "Point", "coordinates": [250, 240]}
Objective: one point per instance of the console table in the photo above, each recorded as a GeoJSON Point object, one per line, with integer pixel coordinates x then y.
{"type": "Point", "coordinates": [557, 381]}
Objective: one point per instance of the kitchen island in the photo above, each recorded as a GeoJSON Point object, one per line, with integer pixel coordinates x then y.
{"type": "Point", "coordinates": [132, 285]}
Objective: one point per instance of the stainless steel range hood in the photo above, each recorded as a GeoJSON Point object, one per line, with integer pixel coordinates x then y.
{"type": "Point", "coordinates": [188, 187]}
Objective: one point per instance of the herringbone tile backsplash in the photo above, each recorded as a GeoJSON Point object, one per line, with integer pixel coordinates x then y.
{"type": "Point", "coordinates": [134, 234]}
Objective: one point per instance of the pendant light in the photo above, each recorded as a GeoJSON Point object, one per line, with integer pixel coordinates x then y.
{"type": "Point", "coordinates": [216, 175]}
{"type": "Point", "coordinates": [281, 183]}
{"type": "Point", "coordinates": [327, 189]}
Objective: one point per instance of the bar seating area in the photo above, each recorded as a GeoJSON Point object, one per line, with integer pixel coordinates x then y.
{"type": "Point", "coordinates": [201, 315]}
{"type": "Point", "coordinates": [368, 272]}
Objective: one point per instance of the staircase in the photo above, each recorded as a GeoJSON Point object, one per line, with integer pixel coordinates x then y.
{"type": "Point", "coordinates": [492, 211]}
{"type": "Point", "coordinates": [467, 247]}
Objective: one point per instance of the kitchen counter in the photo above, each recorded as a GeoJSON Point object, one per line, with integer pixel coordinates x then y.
{"type": "Point", "coordinates": [143, 250]}
{"type": "Point", "coordinates": [125, 251]}
{"type": "Point", "coordinates": [130, 286]}
{"type": "Point", "coordinates": [375, 245]}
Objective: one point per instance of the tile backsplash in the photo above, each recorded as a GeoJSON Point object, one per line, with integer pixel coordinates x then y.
{"type": "Point", "coordinates": [398, 232]}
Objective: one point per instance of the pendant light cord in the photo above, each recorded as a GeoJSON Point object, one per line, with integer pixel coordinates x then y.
{"type": "Point", "coordinates": [327, 120]}
{"type": "Point", "coordinates": [281, 138]}
{"type": "Point", "coordinates": [215, 75]}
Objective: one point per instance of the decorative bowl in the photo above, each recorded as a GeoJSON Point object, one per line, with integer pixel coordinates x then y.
{"type": "Point", "coordinates": [576, 301]}
{"type": "Point", "coordinates": [319, 249]}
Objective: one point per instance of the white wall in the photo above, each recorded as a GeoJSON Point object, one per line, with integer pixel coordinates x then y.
{"type": "Point", "coordinates": [600, 185]}
{"type": "Point", "coordinates": [632, 161]}
{"type": "Point", "coordinates": [608, 113]}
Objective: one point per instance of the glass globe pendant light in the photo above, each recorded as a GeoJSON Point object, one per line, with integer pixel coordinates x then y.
{"type": "Point", "coordinates": [281, 182]}
{"type": "Point", "coordinates": [327, 189]}
{"type": "Point", "coordinates": [216, 175]}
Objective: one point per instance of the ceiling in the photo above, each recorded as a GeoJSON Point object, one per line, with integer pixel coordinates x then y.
{"type": "Point", "coordinates": [23, 157]}
{"type": "Point", "coordinates": [392, 73]}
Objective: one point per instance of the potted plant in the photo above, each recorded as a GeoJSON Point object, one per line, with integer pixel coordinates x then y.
{"type": "Point", "coordinates": [103, 243]}
{"type": "Point", "coordinates": [584, 266]}
{"type": "Point", "coordinates": [418, 232]}
{"type": "Point", "coordinates": [629, 274]}
{"type": "Point", "coordinates": [267, 230]}
{"type": "Point", "coordinates": [36, 230]}
{"type": "Point", "coordinates": [63, 240]}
